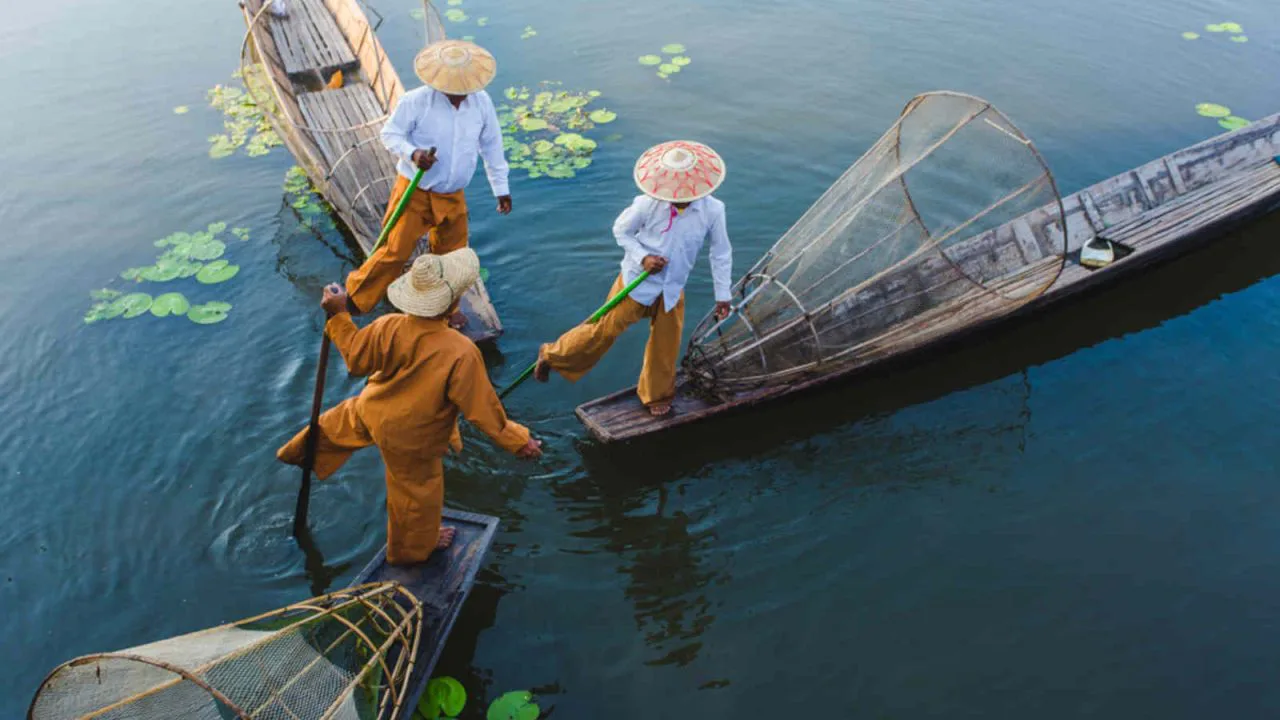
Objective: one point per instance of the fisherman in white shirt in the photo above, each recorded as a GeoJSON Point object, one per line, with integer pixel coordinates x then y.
{"type": "Point", "coordinates": [662, 232]}
{"type": "Point", "coordinates": [439, 128]}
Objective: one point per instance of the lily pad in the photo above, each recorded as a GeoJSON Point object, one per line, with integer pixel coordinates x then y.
{"type": "Point", "coordinates": [134, 304]}
{"type": "Point", "coordinates": [418, 14]}
{"type": "Point", "coordinates": [208, 313]}
{"type": "Point", "coordinates": [515, 705]}
{"type": "Point", "coordinates": [181, 110]}
{"type": "Point", "coordinates": [668, 68]}
{"type": "Point", "coordinates": [528, 32]}
{"type": "Point", "coordinates": [561, 172]}
{"type": "Point", "coordinates": [455, 3]}
{"type": "Point", "coordinates": [161, 271]}
{"type": "Point", "coordinates": [602, 116]}
{"type": "Point", "coordinates": [216, 272]}
{"type": "Point", "coordinates": [1239, 39]}
{"type": "Point", "coordinates": [650, 60]}
{"type": "Point", "coordinates": [663, 75]}
{"type": "Point", "coordinates": [241, 232]}
{"type": "Point", "coordinates": [543, 147]}
{"type": "Point", "coordinates": [103, 310]}
{"type": "Point", "coordinates": [673, 49]}
{"type": "Point", "coordinates": [1231, 27]}
{"type": "Point", "coordinates": [681, 60]}
{"type": "Point", "coordinates": [217, 227]}
{"type": "Point", "coordinates": [206, 249]}
{"type": "Point", "coordinates": [1213, 110]}
{"type": "Point", "coordinates": [1215, 28]}
{"type": "Point", "coordinates": [170, 304]}
{"type": "Point", "coordinates": [593, 93]}
{"type": "Point", "coordinates": [455, 15]}
{"type": "Point", "coordinates": [445, 697]}
{"type": "Point", "coordinates": [1233, 122]}
{"type": "Point", "coordinates": [482, 21]}
{"type": "Point", "coordinates": [222, 147]}
{"type": "Point", "coordinates": [1190, 36]}
{"type": "Point", "coordinates": [530, 124]}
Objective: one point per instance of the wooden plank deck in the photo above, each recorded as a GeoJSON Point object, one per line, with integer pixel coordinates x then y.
{"type": "Point", "coordinates": [308, 39]}
{"type": "Point", "coordinates": [1163, 209]}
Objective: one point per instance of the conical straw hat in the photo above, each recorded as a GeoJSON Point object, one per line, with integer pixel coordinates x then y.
{"type": "Point", "coordinates": [456, 67]}
{"type": "Point", "coordinates": [679, 171]}
{"type": "Point", "coordinates": [435, 282]}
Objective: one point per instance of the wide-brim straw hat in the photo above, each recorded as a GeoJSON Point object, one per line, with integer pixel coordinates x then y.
{"type": "Point", "coordinates": [679, 171]}
{"type": "Point", "coordinates": [455, 67]}
{"type": "Point", "coordinates": [435, 282]}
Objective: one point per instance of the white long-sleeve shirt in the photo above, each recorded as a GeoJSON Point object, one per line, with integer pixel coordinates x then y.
{"type": "Point", "coordinates": [424, 118]}
{"type": "Point", "coordinates": [652, 227]}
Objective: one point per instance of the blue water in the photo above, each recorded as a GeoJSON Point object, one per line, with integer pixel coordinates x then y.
{"type": "Point", "coordinates": [1075, 518]}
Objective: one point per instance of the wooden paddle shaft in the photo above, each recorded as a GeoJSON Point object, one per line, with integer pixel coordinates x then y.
{"type": "Point", "coordinates": [313, 438]}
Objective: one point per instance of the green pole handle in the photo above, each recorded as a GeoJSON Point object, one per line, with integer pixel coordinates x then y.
{"type": "Point", "coordinates": [595, 317]}
{"type": "Point", "coordinates": [400, 206]}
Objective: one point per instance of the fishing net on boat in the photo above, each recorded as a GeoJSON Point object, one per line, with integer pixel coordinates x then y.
{"type": "Point", "coordinates": [951, 217]}
{"type": "Point", "coordinates": [346, 655]}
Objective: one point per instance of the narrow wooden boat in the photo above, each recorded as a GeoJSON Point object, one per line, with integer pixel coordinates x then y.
{"type": "Point", "coordinates": [442, 585]}
{"type": "Point", "coordinates": [1151, 214]}
{"type": "Point", "coordinates": [333, 132]}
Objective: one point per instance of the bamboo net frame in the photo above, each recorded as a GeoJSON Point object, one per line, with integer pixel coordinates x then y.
{"type": "Point", "coordinates": [321, 659]}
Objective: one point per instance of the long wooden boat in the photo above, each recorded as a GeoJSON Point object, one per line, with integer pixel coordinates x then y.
{"type": "Point", "coordinates": [1153, 213]}
{"type": "Point", "coordinates": [333, 132]}
{"type": "Point", "coordinates": [442, 585]}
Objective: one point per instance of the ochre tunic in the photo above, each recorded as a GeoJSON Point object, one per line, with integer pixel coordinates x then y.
{"type": "Point", "coordinates": [443, 214]}
{"type": "Point", "coordinates": [578, 350]}
{"type": "Point", "coordinates": [421, 375]}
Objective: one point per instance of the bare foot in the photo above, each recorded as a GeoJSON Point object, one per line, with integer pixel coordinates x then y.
{"type": "Point", "coordinates": [457, 321]}
{"type": "Point", "coordinates": [445, 539]}
{"type": "Point", "coordinates": [659, 409]}
{"type": "Point", "coordinates": [542, 370]}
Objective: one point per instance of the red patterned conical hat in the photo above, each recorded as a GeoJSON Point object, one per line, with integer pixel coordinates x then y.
{"type": "Point", "coordinates": [679, 171]}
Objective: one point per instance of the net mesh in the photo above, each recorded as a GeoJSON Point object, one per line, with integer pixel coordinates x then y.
{"type": "Point", "coordinates": [923, 232]}
{"type": "Point", "coordinates": [346, 655]}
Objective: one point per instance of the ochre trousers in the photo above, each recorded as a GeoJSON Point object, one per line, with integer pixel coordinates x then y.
{"type": "Point", "coordinates": [415, 484]}
{"type": "Point", "coordinates": [578, 350]}
{"type": "Point", "coordinates": [444, 215]}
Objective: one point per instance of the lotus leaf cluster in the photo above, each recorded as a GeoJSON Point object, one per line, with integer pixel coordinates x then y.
{"type": "Point", "coordinates": [675, 61]}
{"type": "Point", "coordinates": [184, 255]}
{"type": "Point", "coordinates": [1223, 115]}
{"type": "Point", "coordinates": [244, 123]}
{"type": "Point", "coordinates": [1236, 30]}
{"type": "Point", "coordinates": [543, 129]}
{"type": "Point", "coordinates": [313, 210]}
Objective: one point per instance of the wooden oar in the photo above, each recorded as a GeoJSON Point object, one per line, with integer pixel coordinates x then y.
{"type": "Point", "coordinates": [595, 317]}
{"type": "Point", "coordinates": [313, 429]}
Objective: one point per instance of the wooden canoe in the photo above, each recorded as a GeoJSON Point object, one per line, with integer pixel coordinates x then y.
{"type": "Point", "coordinates": [333, 132]}
{"type": "Point", "coordinates": [1156, 212]}
{"type": "Point", "coordinates": [442, 585]}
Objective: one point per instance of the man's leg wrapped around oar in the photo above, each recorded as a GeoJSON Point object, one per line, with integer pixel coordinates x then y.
{"type": "Point", "coordinates": [578, 350]}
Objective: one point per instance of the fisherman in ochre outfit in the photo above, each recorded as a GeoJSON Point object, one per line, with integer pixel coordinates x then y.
{"type": "Point", "coordinates": [661, 232]}
{"type": "Point", "coordinates": [421, 375]}
{"type": "Point", "coordinates": [439, 128]}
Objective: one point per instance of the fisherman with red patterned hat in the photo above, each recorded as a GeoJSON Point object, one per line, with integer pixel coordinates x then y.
{"type": "Point", "coordinates": [662, 232]}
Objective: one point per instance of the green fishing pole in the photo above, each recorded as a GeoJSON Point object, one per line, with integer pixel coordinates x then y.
{"type": "Point", "coordinates": [595, 317]}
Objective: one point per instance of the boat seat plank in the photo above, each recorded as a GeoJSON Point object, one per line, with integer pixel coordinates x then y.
{"type": "Point", "coordinates": [308, 38]}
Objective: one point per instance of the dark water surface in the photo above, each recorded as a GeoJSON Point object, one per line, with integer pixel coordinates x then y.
{"type": "Point", "coordinates": [1076, 518]}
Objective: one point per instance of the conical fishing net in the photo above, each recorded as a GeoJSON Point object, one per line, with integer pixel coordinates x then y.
{"type": "Point", "coordinates": [950, 218]}
{"type": "Point", "coordinates": [347, 656]}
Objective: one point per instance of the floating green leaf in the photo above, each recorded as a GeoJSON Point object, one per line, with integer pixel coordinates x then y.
{"type": "Point", "coordinates": [668, 68]}
{"type": "Point", "coordinates": [206, 249]}
{"type": "Point", "coordinates": [530, 124]}
{"type": "Point", "coordinates": [170, 304]}
{"type": "Point", "coordinates": [593, 93]}
{"type": "Point", "coordinates": [217, 227]}
{"type": "Point", "coordinates": [216, 272]}
{"type": "Point", "coordinates": [482, 21]}
{"type": "Point", "coordinates": [561, 172]}
{"type": "Point", "coordinates": [222, 146]}
{"type": "Point", "coordinates": [102, 310]}
{"type": "Point", "coordinates": [602, 116]}
{"type": "Point", "coordinates": [244, 122]}
{"type": "Point", "coordinates": [241, 232]}
{"type": "Point", "coordinates": [515, 705]}
{"type": "Point", "coordinates": [484, 274]}
{"type": "Point", "coordinates": [663, 75]}
{"type": "Point", "coordinates": [1233, 122]}
{"type": "Point", "coordinates": [528, 32]}
{"type": "Point", "coordinates": [454, 3]}
{"type": "Point", "coordinates": [1190, 36]}
{"type": "Point", "coordinates": [208, 313]}
{"type": "Point", "coordinates": [650, 60]}
{"type": "Point", "coordinates": [1213, 110]}
{"type": "Point", "coordinates": [181, 110]}
{"type": "Point", "coordinates": [1231, 27]}
{"type": "Point", "coordinates": [162, 271]}
{"type": "Point", "coordinates": [542, 147]}
{"type": "Point", "coordinates": [673, 49]}
{"type": "Point", "coordinates": [1239, 39]}
{"type": "Point", "coordinates": [418, 14]}
{"type": "Point", "coordinates": [455, 15]}
{"type": "Point", "coordinates": [681, 60]}
{"type": "Point", "coordinates": [445, 697]}
{"type": "Point", "coordinates": [1215, 28]}
{"type": "Point", "coordinates": [134, 304]}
